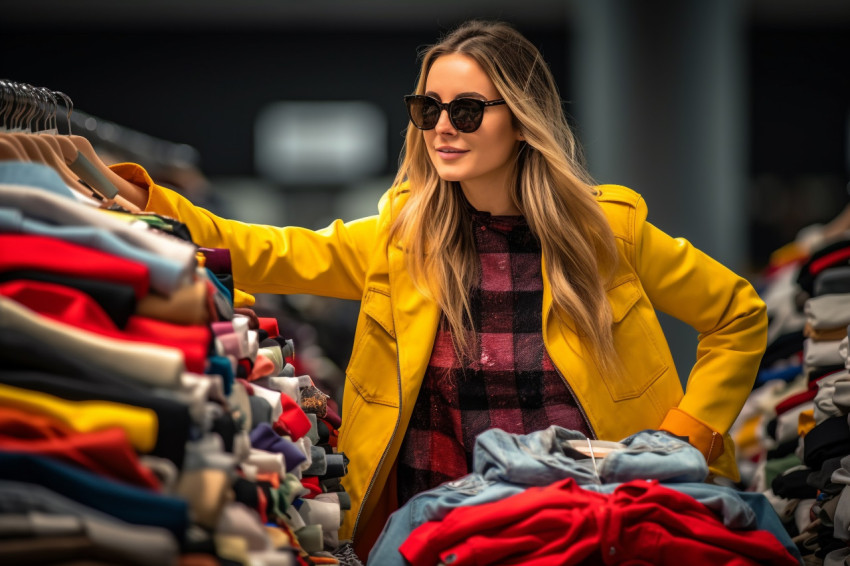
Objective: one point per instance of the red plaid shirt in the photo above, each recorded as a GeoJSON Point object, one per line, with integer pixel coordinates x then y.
{"type": "Point", "coordinates": [512, 385]}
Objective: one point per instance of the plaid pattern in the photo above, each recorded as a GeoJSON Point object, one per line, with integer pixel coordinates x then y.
{"type": "Point", "coordinates": [512, 385]}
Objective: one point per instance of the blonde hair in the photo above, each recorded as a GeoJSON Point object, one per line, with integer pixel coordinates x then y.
{"type": "Point", "coordinates": [553, 191]}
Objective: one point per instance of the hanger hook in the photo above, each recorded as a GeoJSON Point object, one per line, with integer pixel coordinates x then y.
{"type": "Point", "coordinates": [49, 110]}
{"type": "Point", "coordinates": [5, 103]}
{"type": "Point", "coordinates": [68, 104]}
{"type": "Point", "coordinates": [16, 107]}
{"type": "Point", "coordinates": [44, 109]}
{"type": "Point", "coordinates": [39, 109]}
{"type": "Point", "coordinates": [54, 126]}
{"type": "Point", "coordinates": [31, 106]}
{"type": "Point", "coordinates": [23, 106]}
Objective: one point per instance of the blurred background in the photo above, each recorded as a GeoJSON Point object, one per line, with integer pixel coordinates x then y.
{"type": "Point", "coordinates": [732, 117]}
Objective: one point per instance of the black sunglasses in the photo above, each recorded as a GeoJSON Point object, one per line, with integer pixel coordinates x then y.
{"type": "Point", "coordinates": [465, 114]}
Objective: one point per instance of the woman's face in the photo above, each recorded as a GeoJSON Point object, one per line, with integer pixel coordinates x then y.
{"type": "Point", "coordinates": [482, 159]}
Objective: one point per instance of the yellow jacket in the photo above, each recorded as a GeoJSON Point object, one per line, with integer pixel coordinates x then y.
{"type": "Point", "coordinates": [397, 325]}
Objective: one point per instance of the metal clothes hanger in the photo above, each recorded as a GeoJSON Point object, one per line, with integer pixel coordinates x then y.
{"type": "Point", "coordinates": [21, 117]}
{"type": "Point", "coordinates": [82, 158]}
{"type": "Point", "coordinates": [29, 131]}
{"type": "Point", "coordinates": [9, 150]}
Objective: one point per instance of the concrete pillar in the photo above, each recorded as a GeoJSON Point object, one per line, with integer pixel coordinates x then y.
{"type": "Point", "coordinates": [659, 100]}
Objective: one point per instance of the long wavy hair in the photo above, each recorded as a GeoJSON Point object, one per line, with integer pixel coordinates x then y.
{"type": "Point", "coordinates": [553, 191]}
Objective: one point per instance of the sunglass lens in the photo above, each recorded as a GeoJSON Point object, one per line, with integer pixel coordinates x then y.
{"type": "Point", "coordinates": [466, 115]}
{"type": "Point", "coordinates": [424, 112]}
{"type": "Point", "coordinates": [429, 113]}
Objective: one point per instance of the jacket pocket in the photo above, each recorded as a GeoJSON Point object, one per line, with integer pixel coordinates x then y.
{"type": "Point", "coordinates": [638, 340]}
{"type": "Point", "coordinates": [378, 306]}
{"type": "Point", "coordinates": [373, 367]}
{"type": "Point", "coordinates": [623, 297]}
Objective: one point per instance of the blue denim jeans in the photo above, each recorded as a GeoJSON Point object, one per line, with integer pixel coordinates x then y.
{"type": "Point", "coordinates": [652, 454]}
{"type": "Point", "coordinates": [537, 458]}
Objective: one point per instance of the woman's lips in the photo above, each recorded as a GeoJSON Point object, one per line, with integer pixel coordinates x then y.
{"type": "Point", "coordinates": [451, 153]}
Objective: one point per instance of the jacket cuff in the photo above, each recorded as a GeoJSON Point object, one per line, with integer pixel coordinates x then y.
{"type": "Point", "coordinates": [700, 435]}
{"type": "Point", "coordinates": [133, 173]}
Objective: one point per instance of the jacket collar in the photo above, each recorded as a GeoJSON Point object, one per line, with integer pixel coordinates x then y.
{"type": "Point", "coordinates": [415, 317]}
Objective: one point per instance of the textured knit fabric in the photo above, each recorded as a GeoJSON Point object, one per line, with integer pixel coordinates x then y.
{"type": "Point", "coordinates": [511, 384]}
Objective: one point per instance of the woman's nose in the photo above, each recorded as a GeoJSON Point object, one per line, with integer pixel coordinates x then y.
{"type": "Point", "coordinates": [444, 124]}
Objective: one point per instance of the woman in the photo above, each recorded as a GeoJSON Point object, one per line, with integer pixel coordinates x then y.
{"type": "Point", "coordinates": [499, 287]}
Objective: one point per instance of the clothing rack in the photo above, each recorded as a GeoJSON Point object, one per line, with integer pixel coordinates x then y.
{"type": "Point", "coordinates": [133, 145]}
{"type": "Point", "coordinates": [146, 410]}
{"type": "Point", "coordinates": [26, 108]}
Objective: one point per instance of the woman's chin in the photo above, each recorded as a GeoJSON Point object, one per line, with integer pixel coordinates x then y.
{"type": "Point", "coordinates": [449, 176]}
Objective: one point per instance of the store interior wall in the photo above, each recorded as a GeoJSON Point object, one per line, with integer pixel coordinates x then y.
{"type": "Point", "coordinates": [730, 116]}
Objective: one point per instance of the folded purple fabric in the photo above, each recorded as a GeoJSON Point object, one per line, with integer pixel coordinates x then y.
{"type": "Point", "coordinates": [264, 437]}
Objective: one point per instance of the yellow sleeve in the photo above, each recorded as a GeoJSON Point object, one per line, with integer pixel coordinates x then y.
{"type": "Point", "coordinates": [730, 317]}
{"type": "Point", "coordinates": [330, 262]}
